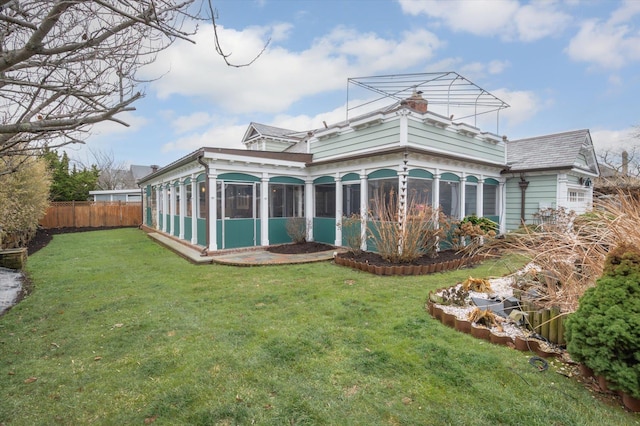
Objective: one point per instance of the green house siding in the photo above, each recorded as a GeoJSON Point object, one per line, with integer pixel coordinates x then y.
{"type": "Point", "coordinates": [176, 226]}
{"type": "Point", "coordinates": [202, 232]}
{"type": "Point", "coordinates": [187, 228]}
{"type": "Point", "coordinates": [358, 140]}
{"type": "Point", "coordinates": [278, 231]}
{"type": "Point", "coordinates": [451, 142]}
{"type": "Point", "coordinates": [540, 192]}
{"type": "Point", "coordinates": [239, 233]}
{"type": "Point", "coordinates": [324, 230]}
{"type": "Point", "coordinates": [350, 177]}
{"type": "Point", "coordinates": [238, 177]}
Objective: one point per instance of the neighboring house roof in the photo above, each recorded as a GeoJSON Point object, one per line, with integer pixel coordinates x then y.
{"type": "Point", "coordinates": [566, 150]}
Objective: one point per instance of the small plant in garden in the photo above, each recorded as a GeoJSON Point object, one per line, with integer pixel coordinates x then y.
{"type": "Point", "coordinates": [351, 234]}
{"type": "Point", "coordinates": [604, 333]}
{"type": "Point", "coordinates": [484, 317]}
{"type": "Point", "coordinates": [418, 234]}
{"type": "Point", "coordinates": [297, 229]}
{"type": "Point", "coordinates": [472, 231]}
{"type": "Point", "coordinates": [456, 296]}
{"type": "Point", "coordinates": [477, 284]}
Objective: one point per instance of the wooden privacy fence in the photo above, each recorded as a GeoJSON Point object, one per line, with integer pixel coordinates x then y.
{"type": "Point", "coordinates": [89, 214]}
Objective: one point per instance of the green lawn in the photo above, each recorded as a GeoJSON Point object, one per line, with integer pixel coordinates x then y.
{"type": "Point", "coordinates": [119, 330]}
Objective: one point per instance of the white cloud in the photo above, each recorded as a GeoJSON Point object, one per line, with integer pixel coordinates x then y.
{"type": "Point", "coordinates": [507, 19]}
{"type": "Point", "coordinates": [606, 44]}
{"type": "Point", "coordinates": [523, 106]}
{"type": "Point", "coordinates": [281, 77]}
{"type": "Point", "coordinates": [539, 20]}
{"type": "Point", "coordinates": [478, 70]}
{"type": "Point", "coordinates": [220, 136]}
{"type": "Point", "coordinates": [187, 123]}
{"type": "Point", "coordinates": [614, 140]}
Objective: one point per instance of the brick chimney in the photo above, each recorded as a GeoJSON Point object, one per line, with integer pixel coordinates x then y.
{"type": "Point", "coordinates": [416, 102]}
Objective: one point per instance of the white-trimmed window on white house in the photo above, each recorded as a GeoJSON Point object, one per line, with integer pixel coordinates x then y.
{"type": "Point", "coordinates": [286, 200]}
{"type": "Point", "coordinates": [325, 200]}
{"type": "Point", "coordinates": [576, 196]}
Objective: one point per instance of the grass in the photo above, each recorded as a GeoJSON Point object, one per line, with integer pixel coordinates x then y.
{"type": "Point", "coordinates": [120, 331]}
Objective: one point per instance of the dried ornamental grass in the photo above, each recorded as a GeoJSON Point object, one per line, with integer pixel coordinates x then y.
{"type": "Point", "coordinates": [570, 251]}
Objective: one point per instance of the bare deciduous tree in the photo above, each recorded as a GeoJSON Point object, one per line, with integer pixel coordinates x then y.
{"type": "Point", "coordinates": [113, 174]}
{"type": "Point", "coordinates": [68, 64]}
{"type": "Point", "coordinates": [621, 162]}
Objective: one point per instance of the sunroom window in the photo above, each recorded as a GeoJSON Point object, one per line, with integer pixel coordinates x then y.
{"type": "Point", "coordinates": [286, 200]}
{"type": "Point", "coordinates": [326, 200]}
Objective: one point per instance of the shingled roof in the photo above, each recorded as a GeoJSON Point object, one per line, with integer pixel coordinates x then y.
{"type": "Point", "coordinates": [257, 130]}
{"type": "Point", "coordinates": [553, 152]}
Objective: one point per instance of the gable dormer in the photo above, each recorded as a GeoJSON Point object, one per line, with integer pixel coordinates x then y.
{"type": "Point", "coordinates": [260, 137]}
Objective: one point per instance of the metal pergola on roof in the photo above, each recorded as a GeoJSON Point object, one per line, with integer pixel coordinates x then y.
{"type": "Point", "coordinates": [447, 89]}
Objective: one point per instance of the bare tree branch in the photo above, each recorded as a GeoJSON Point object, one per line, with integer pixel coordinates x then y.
{"type": "Point", "coordinates": [68, 64]}
{"type": "Point", "coordinates": [220, 51]}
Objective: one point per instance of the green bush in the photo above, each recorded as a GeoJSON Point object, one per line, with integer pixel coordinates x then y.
{"type": "Point", "coordinates": [471, 232]}
{"type": "Point", "coordinates": [604, 332]}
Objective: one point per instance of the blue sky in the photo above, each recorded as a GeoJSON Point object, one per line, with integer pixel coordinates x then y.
{"type": "Point", "coordinates": [561, 65]}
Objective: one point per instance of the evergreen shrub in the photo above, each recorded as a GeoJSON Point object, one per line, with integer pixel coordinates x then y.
{"type": "Point", "coordinates": [604, 332]}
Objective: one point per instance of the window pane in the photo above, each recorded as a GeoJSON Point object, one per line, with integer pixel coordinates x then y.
{"type": "Point", "coordinates": [326, 200]}
{"type": "Point", "coordinates": [202, 200]}
{"type": "Point", "coordinates": [276, 200]}
{"type": "Point", "coordinates": [490, 200]}
{"type": "Point", "coordinates": [351, 199]}
{"type": "Point", "coordinates": [238, 201]}
{"type": "Point", "coordinates": [177, 189]}
{"type": "Point", "coordinates": [470, 199]}
{"type": "Point", "coordinates": [189, 198]}
{"type": "Point", "coordinates": [450, 198]}
{"type": "Point", "coordinates": [383, 194]}
{"type": "Point", "coordinates": [419, 191]}
{"type": "Point", "coordinates": [286, 200]}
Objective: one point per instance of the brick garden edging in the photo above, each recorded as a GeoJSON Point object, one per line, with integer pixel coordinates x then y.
{"type": "Point", "coordinates": [407, 269]}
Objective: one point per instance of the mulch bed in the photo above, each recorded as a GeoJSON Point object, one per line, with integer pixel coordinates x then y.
{"type": "Point", "coordinates": [376, 259]}
{"type": "Point", "coordinates": [363, 257]}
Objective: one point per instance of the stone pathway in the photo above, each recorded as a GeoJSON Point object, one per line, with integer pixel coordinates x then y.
{"type": "Point", "coordinates": [261, 256]}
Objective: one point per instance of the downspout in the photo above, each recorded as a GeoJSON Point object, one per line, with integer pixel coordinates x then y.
{"type": "Point", "coordinates": [142, 198]}
{"type": "Point", "coordinates": [523, 189]}
{"type": "Point", "coordinates": [206, 201]}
